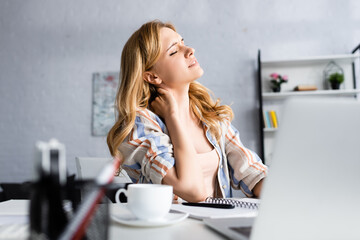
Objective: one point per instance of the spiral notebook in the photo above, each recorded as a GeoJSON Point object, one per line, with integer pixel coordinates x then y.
{"type": "Point", "coordinates": [243, 203]}
{"type": "Point", "coordinates": [245, 207]}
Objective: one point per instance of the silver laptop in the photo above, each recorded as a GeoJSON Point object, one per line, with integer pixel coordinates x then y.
{"type": "Point", "coordinates": [313, 187]}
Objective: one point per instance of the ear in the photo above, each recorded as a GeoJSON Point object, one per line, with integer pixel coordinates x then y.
{"type": "Point", "coordinates": [151, 78]}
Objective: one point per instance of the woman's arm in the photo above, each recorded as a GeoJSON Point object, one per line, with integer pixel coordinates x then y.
{"type": "Point", "coordinates": [246, 168]}
{"type": "Point", "coordinates": [257, 189]}
{"type": "Point", "coordinates": [186, 176]}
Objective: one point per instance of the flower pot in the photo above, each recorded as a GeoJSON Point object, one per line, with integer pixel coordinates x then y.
{"type": "Point", "coordinates": [276, 89]}
{"type": "Point", "coordinates": [335, 85]}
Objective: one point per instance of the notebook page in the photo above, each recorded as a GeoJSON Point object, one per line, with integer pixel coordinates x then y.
{"type": "Point", "coordinates": [206, 212]}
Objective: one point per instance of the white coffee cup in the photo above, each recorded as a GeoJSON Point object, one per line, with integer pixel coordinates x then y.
{"type": "Point", "coordinates": [147, 201]}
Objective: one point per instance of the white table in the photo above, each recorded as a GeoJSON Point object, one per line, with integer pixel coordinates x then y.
{"type": "Point", "coordinates": [186, 229]}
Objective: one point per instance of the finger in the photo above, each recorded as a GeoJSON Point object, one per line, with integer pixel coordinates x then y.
{"type": "Point", "coordinates": [159, 99]}
{"type": "Point", "coordinates": [155, 105]}
{"type": "Point", "coordinates": [162, 91]}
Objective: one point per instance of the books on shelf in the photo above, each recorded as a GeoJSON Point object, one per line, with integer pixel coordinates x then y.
{"type": "Point", "coordinates": [270, 119]}
{"type": "Point", "coordinates": [305, 88]}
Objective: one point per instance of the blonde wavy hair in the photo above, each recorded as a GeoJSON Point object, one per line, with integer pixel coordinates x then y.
{"type": "Point", "coordinates": [139, 54]}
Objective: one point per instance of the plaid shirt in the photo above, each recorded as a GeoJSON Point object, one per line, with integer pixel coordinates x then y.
{"type": "Point", "coordinates": [148, 155]}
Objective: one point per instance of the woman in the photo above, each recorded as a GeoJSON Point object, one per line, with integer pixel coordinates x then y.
{"type": "Point", "coordinates": [169, 130]}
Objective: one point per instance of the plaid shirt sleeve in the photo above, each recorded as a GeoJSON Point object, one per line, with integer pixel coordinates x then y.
{"type": "Point", "coordinates": [245, 167]}
{"type": "Point", "coordinates": [147, 150]}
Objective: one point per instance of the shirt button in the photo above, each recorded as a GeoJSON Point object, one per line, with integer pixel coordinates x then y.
{"type": "Point", "coordinates": [221, 166]}
{"type": "Point", "coordinates": [224, 186]}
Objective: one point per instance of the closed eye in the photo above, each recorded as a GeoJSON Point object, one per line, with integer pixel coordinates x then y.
{"type": "Point", "coordinates": [175, 43]}
{"type": "Point", "coordinates": [173, 53]}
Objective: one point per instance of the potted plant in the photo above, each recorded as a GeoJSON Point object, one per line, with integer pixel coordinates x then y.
{"type": "Point", "coordinates": [336, 79]}
{"type": "Point", "coordinates": [276, 80]}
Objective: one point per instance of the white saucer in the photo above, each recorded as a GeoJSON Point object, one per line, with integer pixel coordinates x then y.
{"type": "Point", "coordinates": [130, 220]}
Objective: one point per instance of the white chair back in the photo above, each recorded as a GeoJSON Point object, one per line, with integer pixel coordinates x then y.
{"type": "Point", "coordinates": [90, 167]}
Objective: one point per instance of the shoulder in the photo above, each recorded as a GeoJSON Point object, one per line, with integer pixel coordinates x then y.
{"type": "Point", "coordinates": [147, 126]}
{"type": "Point", "coordinates": [225, 125]}
{"type": "Point", "coordinates": [146, 116]}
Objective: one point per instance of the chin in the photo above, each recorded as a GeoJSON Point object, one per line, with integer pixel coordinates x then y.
{"type": "Point", "coordinates": [200, 72]}
{"type": "Point", "coordinates": [196, 75]}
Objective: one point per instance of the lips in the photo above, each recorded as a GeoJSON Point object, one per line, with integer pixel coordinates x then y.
{"type": "Point", "coordinates": [193, 63]}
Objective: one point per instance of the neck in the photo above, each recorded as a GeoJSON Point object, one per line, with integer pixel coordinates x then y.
{"type": "Point", "coordinates": [183, 101]}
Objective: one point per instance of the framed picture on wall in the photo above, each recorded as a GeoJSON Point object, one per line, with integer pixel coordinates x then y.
{"type": "Point", "coordinates": [105, 85]}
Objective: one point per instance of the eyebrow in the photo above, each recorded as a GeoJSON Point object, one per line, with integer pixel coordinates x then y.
{"type": "Point", "coordinates": [174, 43]}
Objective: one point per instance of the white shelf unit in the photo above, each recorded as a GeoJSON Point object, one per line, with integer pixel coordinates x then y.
{"type": "Point", "coordinates": [269, 129]}
{"type": "Point", "coordinates": [300, 71]}
{"type": "Point", "coordinates": [344, 58]}
{"type": "Point", "coordinates": [283, 95]}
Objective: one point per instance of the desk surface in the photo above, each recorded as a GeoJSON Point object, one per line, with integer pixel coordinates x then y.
{"type": "Point", "coordinates": [186, 229]}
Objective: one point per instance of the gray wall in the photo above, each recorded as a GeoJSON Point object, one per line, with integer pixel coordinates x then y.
{"type": "Point", "coordinates": [49, 50]}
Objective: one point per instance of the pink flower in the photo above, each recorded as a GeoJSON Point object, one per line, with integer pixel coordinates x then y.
{"type": "Point", "coordinates": [274, 75]}
{"type": "Point", "coordinates": [276, 80]}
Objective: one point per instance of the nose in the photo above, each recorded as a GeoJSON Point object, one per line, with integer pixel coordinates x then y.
{"type": "Point", "coordinates": [189, 51]}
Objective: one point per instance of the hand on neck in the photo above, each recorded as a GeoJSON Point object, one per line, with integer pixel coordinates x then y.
{"type": "Point", "coordinates": [181, 96]}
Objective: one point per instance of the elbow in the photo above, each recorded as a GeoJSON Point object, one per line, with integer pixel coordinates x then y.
{"type": "Point", "coordinates": [189, 189]}
{"type": "Point", "coordinates": [257, 189]}
{"type": "Point", "coordinates": [194, 193]}
{"type": "Point", "coordinates": [196, 198]}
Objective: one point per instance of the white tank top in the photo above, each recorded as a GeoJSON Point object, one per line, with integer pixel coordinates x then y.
{"type": "Point", "coordinates": [209, 163]}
